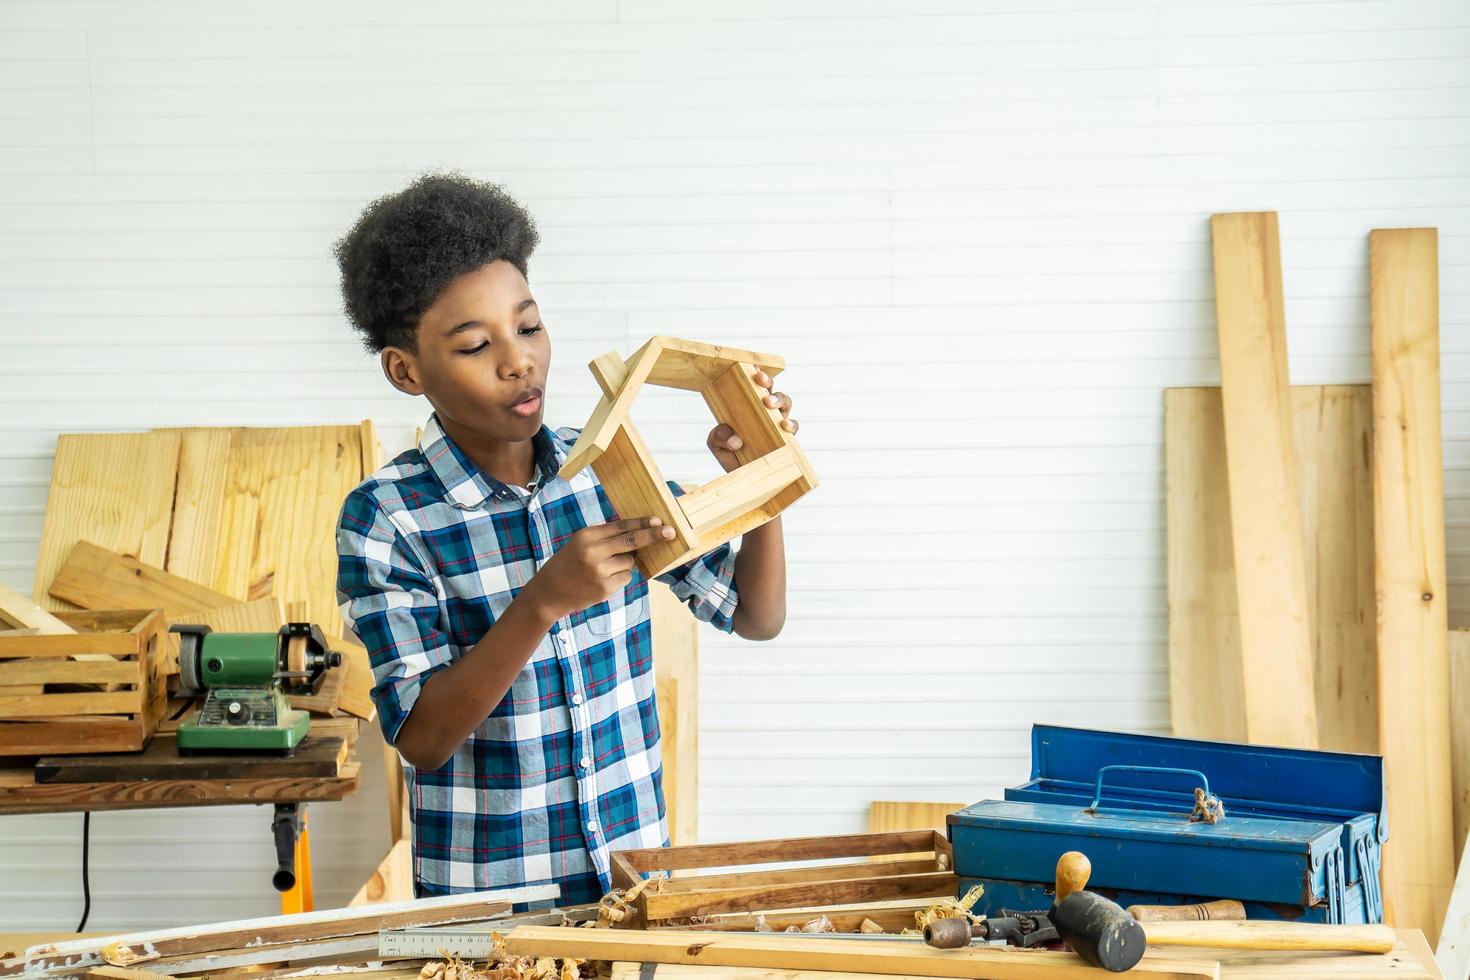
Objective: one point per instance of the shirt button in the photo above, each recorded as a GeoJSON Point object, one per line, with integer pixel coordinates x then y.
{"type": "Point", "coordinates": [586, 763]}
{"type": "Point", "coordinates": [576, 699]}
{"type": "Point", "coordinates": [592, 826]}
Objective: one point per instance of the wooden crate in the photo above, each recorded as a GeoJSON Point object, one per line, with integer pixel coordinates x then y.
{"type": "Point", "coordinates": [921, 867]}
{"type": "Point", "coordinates": [101, 690]}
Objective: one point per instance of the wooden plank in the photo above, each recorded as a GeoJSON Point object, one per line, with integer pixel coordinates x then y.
{"type": "Point", "coordinates": [199, 493]}
{"type": "Point", "coordinates": [95, 578]}
{"type": "Point", "coordinates": [314, 757]}
{"type": "Point", "coordinates": [821, 873]}
{"type": "Point", "coordinates": [628, 473]}
{"type": "Point", "coordinates": [1459, 654]}
{"type": "Point", "coordinates": [675, 634]}
{"type": "Point", "coordinates": [277, 534]}
{"type": "Point", "coordinates": [1453, 952]}
{"type": "Point", "coordinates": [102, 734]}
{"type": "Point", "coordinates": [679, 905]}
{"type": "Point", "coordinates": [887, 816]}
{"type": "Point", "coordinates": [46, 670]}
{"type": "Point", "coordinates": [1413, 636]}
{"type": "Point", "coordinates": [87, 703]}
{"type": "Point", "coordinates": [1332, 427]}
{"type": "Point", "coordinates": [356, 696]}
{"type": "Point", "coordinates": [282, 930]}
{"type": "Point", "coordinates": [391, 881]}
{"type": "Point", "coordinates": [19, 611]}
{"type": "Point", "coordinates": [611, 413]}
{"type": "Point", "coordinates": [123, 973]}
{"type": "Point", "coordinates": [78, 645]}
{"type": "Point", "coordinates": [115, 490]}
{"type": "Point", "coordinates": [785, 849]}
{"type": "Point", "coordinates": [893, 917]}
{"type": "Point", "coordinates": [1270, 571]}
{"type": "Point", "coordinates": [786, 952]}
{"type": "Point", "coordinates": [372, 449]}
{"type": "Point", "coordinates": [736, 493]}
{"type": "Point", "coordinates": [63, 797]}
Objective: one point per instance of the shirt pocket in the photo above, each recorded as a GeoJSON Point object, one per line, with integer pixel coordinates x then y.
{"type": "Point", "coordinates": [622, 611]}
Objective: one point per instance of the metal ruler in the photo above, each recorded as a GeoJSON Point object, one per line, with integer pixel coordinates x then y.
{"type": "Point", "coordinates": [466, 942]}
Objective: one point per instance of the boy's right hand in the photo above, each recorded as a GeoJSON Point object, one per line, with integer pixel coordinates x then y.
{"type": "Point", "coordinates": [592, 565]}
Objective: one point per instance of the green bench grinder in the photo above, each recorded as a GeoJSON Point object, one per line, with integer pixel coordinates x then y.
{"type": "Point", "coordinates": [245, 678]}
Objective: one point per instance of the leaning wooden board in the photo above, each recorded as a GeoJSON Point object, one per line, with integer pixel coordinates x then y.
{"type": "Point", "coordinates": [1413, 636]}
{"type": "Point", "coordinates": [115, 490]}
{"type": "Point", "coordinates": [1270, 569]}
{"type": "Point", "coordinates": [1332, 428]}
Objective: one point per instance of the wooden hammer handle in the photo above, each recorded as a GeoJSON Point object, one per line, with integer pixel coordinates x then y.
{"type": "Point", "coordinates": [1260, 934]}
{"type": "Point", "coordinates": [1225, 910]}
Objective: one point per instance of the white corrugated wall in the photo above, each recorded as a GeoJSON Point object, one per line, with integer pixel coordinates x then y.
{"type": "Point", "coordinates": [977, 230]}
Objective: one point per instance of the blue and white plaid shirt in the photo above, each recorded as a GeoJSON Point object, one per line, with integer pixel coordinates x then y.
{"type": "Point", "coordinates": [567, 768]}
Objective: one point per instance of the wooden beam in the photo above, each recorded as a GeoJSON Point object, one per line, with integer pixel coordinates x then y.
{"type": "Point", "coordinates": [280, 930]}
{"type": "Point", "coordinates": [95, 578]}
{"type": "Point", "coordinates": [1270, 570]}
{"type": "Point", "coordinates": [1413, 659]}
{"type": "Point", "coordinates": [871, 888]}
{"type": "Point", "coordinates": [1459, 653]}
{"type": "Point", "coordinates": [1333, 431]}
{"type": "Point", "coordinates": [18, 611]}
{"type": "Point", "coordinates": [786, 952]}
{"type": "Point", "coordinates": [675, 634]}
{"type": "Point", "coordinates": [193, 545]}
{"type": "Point", "coordinates": [785, 849]}
{"type": "Point", "coordinates": [391, 881]}
{"type": "Point", "coordinates": [1453, 952]}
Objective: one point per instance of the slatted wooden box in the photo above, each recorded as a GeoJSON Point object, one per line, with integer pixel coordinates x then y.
{"type": "Point", "coordinates": [916, 864]}
{"type": "Point", "coordinates": [101, 690]}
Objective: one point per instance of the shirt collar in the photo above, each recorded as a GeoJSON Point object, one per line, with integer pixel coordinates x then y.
{"type": "Point", "coordinates": [465, 484]}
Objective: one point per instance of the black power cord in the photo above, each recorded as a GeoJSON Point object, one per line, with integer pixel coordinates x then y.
{"type": "Point", "coordinates": [86, 879]}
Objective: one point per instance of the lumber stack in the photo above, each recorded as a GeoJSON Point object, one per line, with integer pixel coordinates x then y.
{"type": "Point", "coordinates": [1306, 547]}
{"type": "Point", "coordinates": [233, 528]}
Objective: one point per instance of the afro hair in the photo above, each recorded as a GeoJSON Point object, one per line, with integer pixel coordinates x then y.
{"type": "Point", "coordinates": [406, 247]}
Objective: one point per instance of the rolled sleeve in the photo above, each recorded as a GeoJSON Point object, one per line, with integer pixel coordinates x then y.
{"type": "Point", "coordinates": [706, 584]}
{"type": "Point", "coordinates": [389, 600]}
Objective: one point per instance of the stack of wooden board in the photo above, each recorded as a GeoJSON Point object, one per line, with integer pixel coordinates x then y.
{"type": "Point", "coordinates": [233, 528]}
{"type": "Point", "coordinates": [1306, 547]}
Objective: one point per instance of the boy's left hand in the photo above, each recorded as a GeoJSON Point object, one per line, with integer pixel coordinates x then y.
{"type": "Point", "coordinates": [724, 441]}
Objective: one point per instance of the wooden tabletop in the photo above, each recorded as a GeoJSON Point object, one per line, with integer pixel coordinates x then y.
{"type": "Point", "coordinates": [159, 777]}
{"type": "Point", "coordinates": [1412, 960]}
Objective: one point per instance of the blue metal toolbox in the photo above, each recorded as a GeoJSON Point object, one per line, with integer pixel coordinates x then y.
{"type": "Point", "coordinates": [1301, 836]}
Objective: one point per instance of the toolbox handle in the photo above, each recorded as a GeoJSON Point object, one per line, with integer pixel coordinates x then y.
{"type": "Point", "coordinates": [1204, 783]}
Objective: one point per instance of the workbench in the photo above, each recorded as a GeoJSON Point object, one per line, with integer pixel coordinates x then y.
{"type": "Point", "coordinates": [159, 777]}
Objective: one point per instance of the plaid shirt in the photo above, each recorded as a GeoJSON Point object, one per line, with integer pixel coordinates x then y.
{"type": "Point", "coordinates": [567, 767]}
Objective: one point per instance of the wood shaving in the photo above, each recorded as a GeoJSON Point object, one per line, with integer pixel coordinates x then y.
{"type": "Point", "coordinates": [949, 908]}
{"type": "Point", "coordinates": [870, 928]}
{"type": "Point", "coordinates": [120, 954]}
{"type": "Point", "coordinates": [617, 906]}
{"type": "Point", "coordinates": [820, 924]}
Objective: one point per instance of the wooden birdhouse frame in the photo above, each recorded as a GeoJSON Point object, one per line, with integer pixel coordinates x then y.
{"type": "Point", "coordinates": [773, 471]}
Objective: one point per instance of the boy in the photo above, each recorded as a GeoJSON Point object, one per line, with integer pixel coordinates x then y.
{"type": "Point", "coordinates": [507, 623]}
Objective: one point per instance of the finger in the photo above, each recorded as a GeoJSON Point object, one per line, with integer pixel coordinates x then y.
{"type": "Point", "coordinates": [723, 436]}
{"type": "Point", "coordinates": [779, 400]}
{"type": "Point", "coordinates": [641, 538]}
{"type": "Point", "coordinates": [763, 379]}
{"type": "Point", "coordinates": [790, 425]}
{"type": "Point", "coordinates": [614, 528]}
{"type": "Point", "coordinates": [616, 565]}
